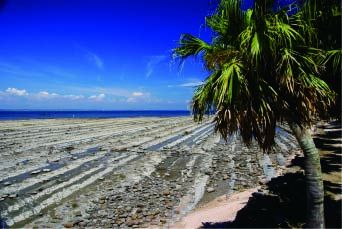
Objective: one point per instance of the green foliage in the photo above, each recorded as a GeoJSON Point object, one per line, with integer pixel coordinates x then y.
{"type": "Point", "coordinates": [264, 67]}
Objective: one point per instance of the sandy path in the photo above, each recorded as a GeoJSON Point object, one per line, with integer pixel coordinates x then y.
{"type": "Point", "coordinates": [221, 209]}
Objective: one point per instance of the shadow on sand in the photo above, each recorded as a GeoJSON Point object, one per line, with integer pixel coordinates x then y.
{"type": "Point", "coordinates": [282, 203]}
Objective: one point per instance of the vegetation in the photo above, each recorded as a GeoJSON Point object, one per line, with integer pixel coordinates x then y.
{"type": "Point", "coordinates": [266, 64]}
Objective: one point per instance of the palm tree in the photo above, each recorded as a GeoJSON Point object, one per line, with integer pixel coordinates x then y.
{"type": "Point", "coordinates": [263, 69]}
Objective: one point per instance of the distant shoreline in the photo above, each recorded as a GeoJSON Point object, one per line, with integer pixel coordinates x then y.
{"type": "Point", "coordinates": [58, 114]}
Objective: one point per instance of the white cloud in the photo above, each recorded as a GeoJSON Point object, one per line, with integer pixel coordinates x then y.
{"type": "Point", "coordinates": [14, 91]}
{"type": "Point", "coordinates": [97, 97]}
{"type": "Point", "coordinates": [152, 62]}
{"type": "Point", "coordinates": [92, 57]}
{"type": "Point", "coordinates": [74, 97]}
{"type": "Point", "coordinates": [191, 84]}
{"type": "Point", "coordinates": [131, 100]}
{"type": "Point", "coordinates": [137, 94]}
{"type": "Point", "coordinates": [95, 59]}
{"type": "Point", "coordinates": [46, 95]}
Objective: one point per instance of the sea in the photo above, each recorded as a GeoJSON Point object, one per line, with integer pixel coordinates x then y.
{"type": "Point", "coordinates": [53, 114]}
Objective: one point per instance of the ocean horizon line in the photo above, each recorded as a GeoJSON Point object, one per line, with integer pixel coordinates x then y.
{"type": "Point", "coordinates": [24, 109]}
{"type": "Point", "coordinates": [54, 114]}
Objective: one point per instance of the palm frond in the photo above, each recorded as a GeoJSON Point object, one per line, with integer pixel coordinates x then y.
{"type": "Point", "coordinates": [189, 45]}
{"type": "Point", "coordinates": [335, 56]}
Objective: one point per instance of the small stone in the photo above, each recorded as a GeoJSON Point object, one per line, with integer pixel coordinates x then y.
{"type": "Point", "coordinates": [139, 210]}
{"type": "Point", "coordinates": [78, 213]}
{"type": "Point", "coordinates": [208, 172]}
{"type": "Point", "coordinates": [7, 183]}
{"type": "Point", "coordinates": [225, 177]}
{"type": "Point", "coordinates": [68, 225]}
{"type": "Point", "coordinates": [134, 216]}
{"type": "Point", "coordinates": [130, 223]}
{"type": "Point", "coordinates": [211, 189]}
{"type": "Point", "coordinates": [46, 170]}
{"type": "Point", "coordinates": [82, 224]}
{"type": "Point", "coordinates": [166, 193]}
{"type": "Point", "coordinates": [13, 196]}
{"type": "Point", "coordinates": [35, 172]}
{"type": "Point", "coordinates": [163, 220]}
{"type": "Point", "coordinates": [156, 212]}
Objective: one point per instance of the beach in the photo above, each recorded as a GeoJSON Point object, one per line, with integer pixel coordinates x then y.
{"type": "Point", "coordinates": [125, 172]}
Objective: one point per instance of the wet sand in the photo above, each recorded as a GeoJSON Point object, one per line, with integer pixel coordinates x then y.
{"type": "Point", "coordinates": [125, 172]}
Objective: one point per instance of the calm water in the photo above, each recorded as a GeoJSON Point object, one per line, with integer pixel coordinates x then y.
{"type": "Point", "coordinates": [15, 115]}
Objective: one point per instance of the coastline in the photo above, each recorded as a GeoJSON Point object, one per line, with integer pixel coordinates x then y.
{"type": "Point", "coordinates": [87, 114]}
{"type": "Point", "coordinates": [117, 172]}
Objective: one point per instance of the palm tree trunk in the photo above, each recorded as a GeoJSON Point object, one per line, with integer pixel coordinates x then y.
{"type": "Point", "coordinates": [314, 177]}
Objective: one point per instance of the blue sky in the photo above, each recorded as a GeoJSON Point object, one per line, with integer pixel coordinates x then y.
{"type": "Point", "coordinates": [97, 54]}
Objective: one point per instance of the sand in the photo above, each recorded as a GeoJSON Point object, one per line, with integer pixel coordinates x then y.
{"type": "Point", "coordinates": [221, 209]}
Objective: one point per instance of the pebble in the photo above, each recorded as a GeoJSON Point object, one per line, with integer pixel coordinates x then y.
{"type": "Point", "coordinates": [166, 193]}
{"type": "Point", "coordinates": [35, 172]}
{"type": "Point", "coordinates": [130, 223]}
{"type": "Point", "coordinates": [46, 170]}
{"type": "Point", "coordinates": [13, 196]}
{"type": "Point", "coordinates": [211, 189]}
{"type": "Point", "coordinates": [157, 212]}
{"type": "Point", "coordinates": [68, 225]}
{"type": "Point", "coordinates": [82, 224]}
{"type": "Point", "coordinates": [78, 213]}
{"type": "Point", "coordinates": [7, 183]}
